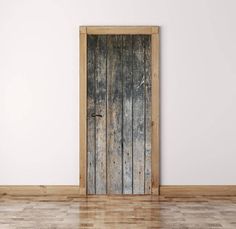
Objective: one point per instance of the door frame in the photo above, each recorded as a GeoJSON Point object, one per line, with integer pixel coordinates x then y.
{"type": "Point", "coordinates": [155, 100]}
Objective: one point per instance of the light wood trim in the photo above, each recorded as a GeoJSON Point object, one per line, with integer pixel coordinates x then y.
{"type": "Point", "coordinates": [165, 190]}
{"type": "Point", "coordinates": [122, 29]}
{"type": "Point", "coordinates": [83, 109]}
{"type": "Point", "coordinates": [154, 32]}
{"type": "Point", "coordinates": [197, 190]}
{"type": "Point", "coordinates": [39, 190]}
{"type": "Point", "coordinates": [155, 115]}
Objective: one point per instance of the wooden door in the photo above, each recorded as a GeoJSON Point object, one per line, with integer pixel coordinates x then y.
{"type": "Point", "coordinates": [119, 114]}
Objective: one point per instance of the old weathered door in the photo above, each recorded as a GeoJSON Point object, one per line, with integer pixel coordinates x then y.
{"type": "Point", "coordinates": [119, 114]}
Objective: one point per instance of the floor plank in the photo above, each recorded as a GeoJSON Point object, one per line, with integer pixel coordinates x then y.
{"type": "Point", "coordinates": [117, 212]}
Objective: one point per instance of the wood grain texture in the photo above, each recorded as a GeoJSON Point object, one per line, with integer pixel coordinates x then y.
{"type": "Point", "coordinates": [154, 32]}
{"type": "Point", "coordinates": [39, 190]}
{"type": "Point", "coordinates": [138, 115]}
{"type": "Point", "coordinates": [91, 155]}
{"type": "Point", "coordinates": [83, 111]}
{"type": "Point", "coordinates": [100, 98]}
{"type": "Point", "coordinates": [122, 30]}
{"type": "Point", "coordinates": [127, 72]}
{"type": "Point", "coordinates": [155, 115]}
{"type": "Point", "coordinates": [118, 212]}
{"type": "Point", "coordinates": [173, 191]}
{"type": "Point", "coordinates": [148, 116]}
{"type": "Point", "coordinates": [120, 77]}
{"type": "Point", "coordinates": [114, 115]}
{"type": "Point", "coordinates": [197, 190]}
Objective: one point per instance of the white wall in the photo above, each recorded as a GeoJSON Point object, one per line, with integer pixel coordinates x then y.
{"type": "Point", "coordinates": [38, 86]}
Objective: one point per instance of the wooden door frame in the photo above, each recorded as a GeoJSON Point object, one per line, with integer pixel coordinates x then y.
{"type": "Point", "coordinates": [120, 30]}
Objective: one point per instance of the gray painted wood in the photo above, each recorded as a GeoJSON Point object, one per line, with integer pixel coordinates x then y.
{"type": "Point", "coordinates": [114, 115]}
{"type": "Point", "coordinates": [100, 98]}
{"type": "Point", "coordinates": [127, 114]}
{"type": "Point", "coordinates": [148, 118]}
{"type": "Point", "coordinates": [91, 161]}
{"type": "Point", "coordinates": [138, 115]}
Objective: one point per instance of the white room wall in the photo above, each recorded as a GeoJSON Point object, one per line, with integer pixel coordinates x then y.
{"type": "Point", "coordinates": [39, 86]}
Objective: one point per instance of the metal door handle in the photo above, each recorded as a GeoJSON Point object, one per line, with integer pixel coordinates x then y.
{"type": "Point", "coordinates": [96, 115]}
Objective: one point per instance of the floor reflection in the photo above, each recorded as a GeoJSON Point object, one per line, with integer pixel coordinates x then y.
{"type": "Point", "coordinates": [117, 212]}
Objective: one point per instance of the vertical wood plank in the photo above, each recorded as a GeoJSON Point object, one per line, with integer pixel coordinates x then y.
{"type": "Point", "coordinates": [114, 115]}
{"type": "Point", "coordinates": [138, 115]}
{"type": "Point", "coordinates": [148, 116]}
{"type": "Point", "coordinates": [155, 115]}
{"type": "Point", "coordinates": [83, 110]}
{"type": "Point", "coordinates": [91, 183]}
{"type": "Point", "coordinates": [127, 114]}
{"type": "Point", "coordinates": [100, 98]}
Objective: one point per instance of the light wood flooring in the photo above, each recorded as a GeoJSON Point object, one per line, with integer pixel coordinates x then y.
{"type": "Point", "coordinates": [117, 212]}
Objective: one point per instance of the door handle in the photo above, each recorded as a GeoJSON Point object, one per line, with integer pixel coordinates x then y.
{"type": "Point", "coordinates": [96, 115]}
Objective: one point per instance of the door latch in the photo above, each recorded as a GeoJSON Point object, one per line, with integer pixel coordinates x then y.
{"type": "Point", "coordinates": [96, 115]}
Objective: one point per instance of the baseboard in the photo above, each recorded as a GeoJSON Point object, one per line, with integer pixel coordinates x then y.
{"type": "Point", "coordinates": [39, 190]}
{"type": "Point", "coordinates": [165, 190]}
{"type": "Point", "coordinates": [197, 190]}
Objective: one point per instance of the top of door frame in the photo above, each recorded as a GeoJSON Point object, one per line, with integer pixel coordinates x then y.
{"type": "Point", "coordinates": [99, 30]}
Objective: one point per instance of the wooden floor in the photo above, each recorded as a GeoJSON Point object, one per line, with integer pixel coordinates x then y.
{"type": "Point", "coordinates": [117, 212]}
